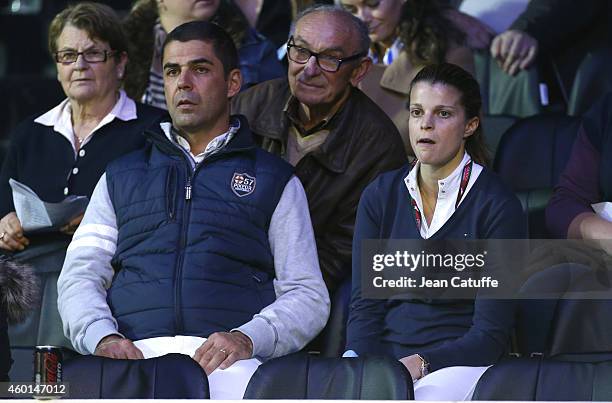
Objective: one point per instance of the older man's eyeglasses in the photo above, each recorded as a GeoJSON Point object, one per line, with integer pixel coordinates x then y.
{"type": "Point", "coordinates": [327, 63]}
{"type": "Point", "coordinates": [90, 56]}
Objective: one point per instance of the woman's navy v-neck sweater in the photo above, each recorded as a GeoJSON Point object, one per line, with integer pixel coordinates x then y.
{"type": "Point", "coordinates": [445, 332]}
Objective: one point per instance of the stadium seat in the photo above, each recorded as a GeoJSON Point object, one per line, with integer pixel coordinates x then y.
{"type": "Point", "coordinates": [332, 339]}
{"type": "Point", "coordinates": [494, 127]}
{"type": "Point", "coordinates": [570, 334]}
{"type": "Point", "coordinates": [302, 376]}
{"type": "Point", "coordinates": [593, 79]}
{"type": "Point", "coordinates": [573, 319]}
{"type": "Point", "coordinates": [172, 376]}
{"type": "Point", "coordinates": [530, 157]}
{"type": "Point", "coordinates": [528, 379]}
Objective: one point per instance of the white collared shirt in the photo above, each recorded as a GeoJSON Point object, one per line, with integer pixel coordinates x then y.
{"type": "Point", "coordinates": [213, 147]}
{"type": "Point", "coordinates": [448, 189]}
{"type": "Point", "coordinates": [390, 54]}
{"type": "Point", "coordinates": [60, 118]}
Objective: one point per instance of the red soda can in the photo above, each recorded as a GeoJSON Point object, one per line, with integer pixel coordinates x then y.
{"type": "Point", "coordinates": [47, 364]}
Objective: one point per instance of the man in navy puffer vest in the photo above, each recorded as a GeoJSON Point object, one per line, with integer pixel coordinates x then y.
{"type": "Point", "coordinates": [199, 234]}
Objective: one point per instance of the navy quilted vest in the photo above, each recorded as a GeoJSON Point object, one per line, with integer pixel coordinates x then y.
{"type": "Point", "coordinates": [193, 255]}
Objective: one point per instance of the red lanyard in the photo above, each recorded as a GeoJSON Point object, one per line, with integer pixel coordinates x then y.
{"type": "Point", "coordinates": [465, 178]}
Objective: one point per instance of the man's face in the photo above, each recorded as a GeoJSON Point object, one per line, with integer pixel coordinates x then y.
{"type": "Point", "coordinates": [330, 35]}
{"type": "Point", "coordinates": [196, 87]}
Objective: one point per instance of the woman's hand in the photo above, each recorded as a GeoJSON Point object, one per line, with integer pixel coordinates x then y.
{"type": "Point", "coordinates": [11, 233]}
{"type": "Point", "coordinates": [72, 226]}
{"type": "Point", "coordinates": [413, 363]}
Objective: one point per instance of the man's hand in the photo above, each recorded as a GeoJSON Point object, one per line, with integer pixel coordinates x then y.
{"type": "Point", "coordinates": [514, 50]}
{"type": "Point", "coordinates": [72, 226]}
{"type": "Point", "coordinates": [117, 347]}
{"type": "Point", "coordinates": [223, 349]}
{"type": "Point", "coordinates": [413, 364]}
{"type": "Point", "coordinates": [11, 233]}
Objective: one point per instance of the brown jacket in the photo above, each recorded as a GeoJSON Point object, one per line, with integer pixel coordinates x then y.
{"type": "Point", "coordinates": [363, 142]}
{"type": "Point", "coordinates": [389, 86]}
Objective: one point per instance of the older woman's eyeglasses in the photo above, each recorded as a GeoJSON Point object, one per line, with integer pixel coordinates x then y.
{"type": "Point", "coordinates": [90, 56]}
{"type": "Point", "coordinates": [330, 64]}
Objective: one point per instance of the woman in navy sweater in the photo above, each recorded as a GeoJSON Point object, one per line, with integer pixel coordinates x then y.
{"type": "Point", "coordinates": [447, 194]}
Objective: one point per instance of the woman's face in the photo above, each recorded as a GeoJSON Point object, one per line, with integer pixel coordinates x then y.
{"type": "Point", "coordinates": [438, 125]}
{"type": "Point", "coordinates": [381, 16]}
{"type": "Point", "coordinates": [189, 10]}
{"type": "Point", "coordinates": [85, 81]}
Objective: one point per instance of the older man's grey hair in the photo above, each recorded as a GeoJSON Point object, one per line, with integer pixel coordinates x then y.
{"type": "Point", "coordinates": [358, 26]}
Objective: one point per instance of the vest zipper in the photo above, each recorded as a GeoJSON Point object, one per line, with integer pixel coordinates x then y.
{"type": "Point", "coordinates": [188, 190]}
{"type": "Point", "coordinates": [178, 316]}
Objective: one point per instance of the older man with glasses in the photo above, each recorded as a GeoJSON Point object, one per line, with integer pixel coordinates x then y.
{"type": "Point", "coordinates": [335, 136]}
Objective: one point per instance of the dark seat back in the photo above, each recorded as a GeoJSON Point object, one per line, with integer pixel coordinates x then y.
{"type": "Point", "coordinates": [494, 127]}
{"type": "Point", "coordinates": [593, 79]}
{"type": "Point", "coordinates": [528, 379]}
{"type": "Point", "coordinates": [302, 376]}
{"type": "Point", "coordinates": [572, 323]}
{"type": "Point", "coordinates": [530, 158]}
{"type": "Point", "coordinates": [572, 332]}
{"type": "Point", "coordinates": [172, 376]}
{"type": "Point", "coordinates": [333, 336]}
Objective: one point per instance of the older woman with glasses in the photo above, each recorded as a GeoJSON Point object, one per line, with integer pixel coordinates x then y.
{"type": "Point", "coordinates": [65, 151]}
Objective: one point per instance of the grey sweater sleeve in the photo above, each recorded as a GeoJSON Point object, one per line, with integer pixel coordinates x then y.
{"type": "Point", "coordinates": [87, 274]}
{"type": "Point", "coordinates": [302, 304]}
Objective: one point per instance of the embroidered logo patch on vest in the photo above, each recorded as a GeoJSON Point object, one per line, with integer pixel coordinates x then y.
{"type": "Point", "coordinates": [243, 184]}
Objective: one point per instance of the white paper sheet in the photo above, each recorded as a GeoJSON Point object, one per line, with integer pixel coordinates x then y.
{"type": "Point", "coordinates": [36, 215]}
{"type": "Point", "coordinates": [604, 210]}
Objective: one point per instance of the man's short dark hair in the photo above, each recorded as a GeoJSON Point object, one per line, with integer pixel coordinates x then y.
{"type": "Point", "coordinates": [205, 31]}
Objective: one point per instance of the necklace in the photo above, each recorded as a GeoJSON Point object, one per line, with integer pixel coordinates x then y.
{"type": "Point", "coordinates": [77, 142]}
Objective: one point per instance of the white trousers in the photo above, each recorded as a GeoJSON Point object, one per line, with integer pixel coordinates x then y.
{"type": "Point", "coordinates": [452, 383]}
{"type": "Point", "coordinates": [227, 383]}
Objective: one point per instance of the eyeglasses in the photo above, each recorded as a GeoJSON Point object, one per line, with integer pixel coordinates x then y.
{"type": "Point", "coordinates": [90, 56]}
{"type": "Point", "coordinates": [330, 64]}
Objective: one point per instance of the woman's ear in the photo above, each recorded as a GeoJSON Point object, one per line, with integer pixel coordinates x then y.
{"type": "Point", "coordinates": [121, 65]}
{"type": "Point", "coordinates": [471, 126]}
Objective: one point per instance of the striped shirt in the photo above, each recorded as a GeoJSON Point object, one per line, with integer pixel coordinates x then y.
{"type": "Point", "coordinates": [154, 93]}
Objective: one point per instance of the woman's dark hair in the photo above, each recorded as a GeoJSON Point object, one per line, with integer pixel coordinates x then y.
{"type": "Point", "coordinates": [139, 26]}
{"type": "Point", "coordinates": [205, 31]}
{"type": "Point", "coordinates": [228, 16]}
{"type": "Point", "coordinates": [462, 81]}
{"type": "Point", "coordinates": [98, 20]}
{"type": "Point", "coordinates": [426, 32]}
